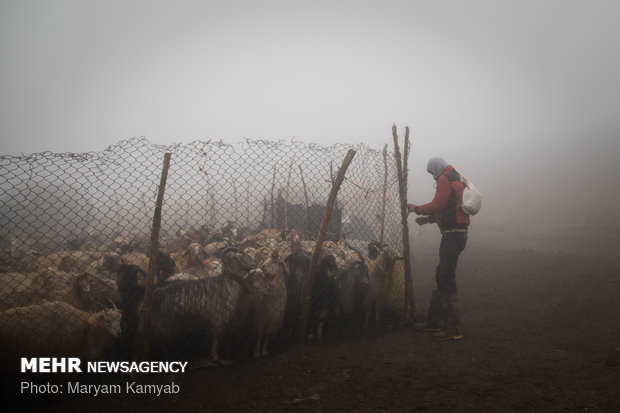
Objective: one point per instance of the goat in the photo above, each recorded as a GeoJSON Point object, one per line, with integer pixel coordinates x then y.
{"type": "Point", "coordinates": [354, 299]}
{"type": "Point", "coordinates": [298, 266]}
{"type": "Point", "coordinates": [324, 298]}
{"type": "Point", "coordinates": [212, 304]}
{"type": "Point", "coordinates": [380, 272]}
{"type": "Point", "coordinates": [131, 293]}
{"type": "Point", "coordinates": [268, 316]}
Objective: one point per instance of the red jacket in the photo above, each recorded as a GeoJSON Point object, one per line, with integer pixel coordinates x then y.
{"type": "Point", "coordinates": [445, 208]}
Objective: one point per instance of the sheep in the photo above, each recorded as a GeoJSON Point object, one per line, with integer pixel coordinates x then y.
{"type": "Point", "coordinates": [262, 254]}
{"type": "Point", "coordinates": [260, 239]}
{"type": "Point", "coordinates": [195, 255]}
{"type": "Point", "coordinates": [18, 256]}
{"type": "Point", "coordinates": [227, 233]}
{"type": "Point", "coordinates": [211, 249]}
{"type": "Point", "coordinates": [212, 304]}
{"type": "Point", "coordinates": [130, 242]}
{"type": "Point", "coordinates": [179, 241]}
{"type": "Point", "coordinates": [136, 258]}
{"type": "Point", "coordinates": [86, 291]}
{"type": "Point", "coordinates": [77, 261]}
{"type": "Point", "coordinates": [192, 260]}
{"type": "Point", "coordinates": [164, 264]}
{"type": "Point", "coordinates": [59, 329]}
{"type": "Point", "coordinates": [18, 289]}
{"type": "Point", "coordinates": [210, 268]}
{"type": "Point", "coordinates": [268, 316]}
{"type": "Point", "coordinates": [107, 264]}
{"type": "Point", "coordinates": [230, 230]}
{"type": "Point", "coordinates": [51, 260]}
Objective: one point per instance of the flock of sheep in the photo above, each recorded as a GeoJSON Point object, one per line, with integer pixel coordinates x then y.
{"type": "Point", "coordinates": [209, 282]}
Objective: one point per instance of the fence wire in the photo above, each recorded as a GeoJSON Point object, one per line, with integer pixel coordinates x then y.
{"type": "Point", "coordinates": [238, 227]}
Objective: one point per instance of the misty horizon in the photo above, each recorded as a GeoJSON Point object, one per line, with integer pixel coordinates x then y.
{"type": "Point", "coordinates": [522, 98]}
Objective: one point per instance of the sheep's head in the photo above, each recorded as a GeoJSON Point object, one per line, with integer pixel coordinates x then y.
{"type": "Point", "coordinates": [230, 230]}
{"type": "Point", "coordinates": [94, 292]}
{"type": "Point", "coordinates": [103, 328]}
{"type": "Point", "coordinates": [273, 268]}
{"type": "Point", "coordinates": [195, 254]}
{"type": "Point", "coordinates": [212, 268]}
{"type": "Point", "coordinates": [110, 262]}
{"type": "Point", "coordinates": [257, 281]}
{"type": "Point", "coordinates": [294, 237]}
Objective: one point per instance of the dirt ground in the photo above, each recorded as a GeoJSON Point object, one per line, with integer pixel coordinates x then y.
{"type": "Point", "coordinates": [542, 334]}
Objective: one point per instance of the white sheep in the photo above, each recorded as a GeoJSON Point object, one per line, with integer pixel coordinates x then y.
{"type": "Point", "coordinates": [55, 328]}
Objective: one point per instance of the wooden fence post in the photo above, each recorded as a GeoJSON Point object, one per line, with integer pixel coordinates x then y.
{"type": "Point", "coordinates": [384, 200]}
{"type": "Point", "coordinates": [273, 204]}
{"type": "Point", "coordinates": [401, 166]}
{"type": "Point", "coordinates": [141, 341]}
{"type": "Point", "coordinates": [303, 183]}
{"type": "Point", "coordinates": [312, 272]}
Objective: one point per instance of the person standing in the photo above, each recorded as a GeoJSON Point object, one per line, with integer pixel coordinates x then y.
{"type": "Point", "coordinates": [444, 210]}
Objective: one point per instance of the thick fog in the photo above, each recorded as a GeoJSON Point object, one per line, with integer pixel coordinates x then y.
{"type": "Point", "coordinates": [521, 97]}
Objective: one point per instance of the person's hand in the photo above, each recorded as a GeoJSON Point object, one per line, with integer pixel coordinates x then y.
{"type": "Point", "coordinates": [422, 220]}
{"type": "Point", "coordinates": [411, 208]}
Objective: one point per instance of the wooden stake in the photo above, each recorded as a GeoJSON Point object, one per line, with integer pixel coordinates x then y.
{"type": "Point", "coordinates": [303, 183]}
{"type": "Point", "coordinates": [331, 178]}
{"type": "Point", "coordinates": [312, 272]}
{"type": "Point", "coordinates": [409, 305]}
{"type": "Point", "coordinates": [141, 341]}
{"type": "Point", "coordinates": [273, 206]}
{"type": "Point", "coordinates": [288, 185]}
{"type": "Point", "coordinates": [384, 199]}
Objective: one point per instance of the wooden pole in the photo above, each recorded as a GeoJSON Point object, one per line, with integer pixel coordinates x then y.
{"type": "Point", "coordinates": [141, 342]}
{"type": "Point", "coordinates": [273, 206]}
{"type": "Point", "coordinates": [288, 186]}
{"type": "Point", "coordinates": [331, 177]}
{"type": "Point", "coordinates": [384, 199]}
{"type": "Point", "coordinates": [314, 261]}
{"type": "Point", "coordinates": [409, 305]}
{"type": "Point", "coordinates": [303, 183]}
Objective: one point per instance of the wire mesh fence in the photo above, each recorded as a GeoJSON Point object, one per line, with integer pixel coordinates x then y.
{"type": "Point", "coordinates": [239, 223]}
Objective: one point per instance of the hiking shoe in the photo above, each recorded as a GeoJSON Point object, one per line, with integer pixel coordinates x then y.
{"type": "Point", "coordinates": [448, 335]}
{"type": "Point", "coordinates": [425, 327]}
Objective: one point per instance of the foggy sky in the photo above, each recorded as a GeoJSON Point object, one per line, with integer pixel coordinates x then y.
{"type": "Point", "coordinates": [522, 97]}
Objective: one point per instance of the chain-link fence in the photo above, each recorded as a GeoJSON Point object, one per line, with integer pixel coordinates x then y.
{"type": "Point", "coordinates": [237, 231]}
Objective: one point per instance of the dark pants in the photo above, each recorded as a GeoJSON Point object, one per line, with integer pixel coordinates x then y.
{"type": "Point", "coordinates": [452, 244]}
